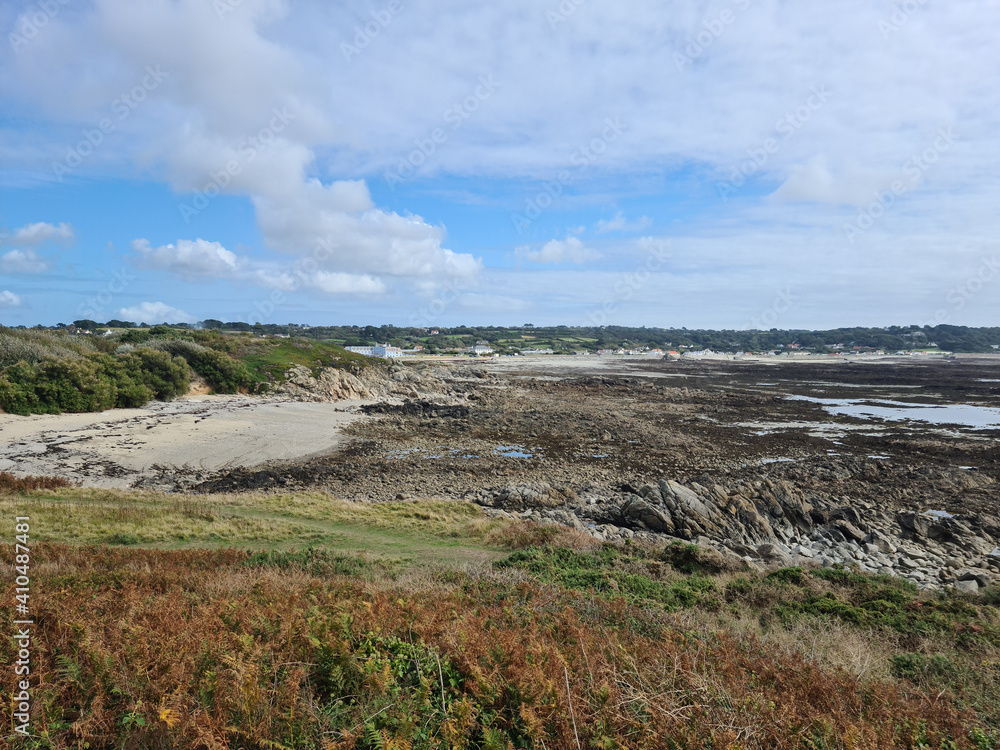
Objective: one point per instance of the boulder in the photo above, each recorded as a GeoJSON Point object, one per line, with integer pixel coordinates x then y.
{"type": "Point", "coordinates": [913, 525]}
{"type": "Point", "coordinates": [967, 587]}
{"type": "Point", "coordinates": [637, 512]}
{"type": "Point", "coordinates": [849, 530]}
{"type": "Point", "coordinates": [773, 555]}
{"type": "Point", "coordinates": [981, 577]}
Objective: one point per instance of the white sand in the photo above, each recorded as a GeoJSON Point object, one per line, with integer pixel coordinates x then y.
{"type": "Point", "coordinates": [115, 448]}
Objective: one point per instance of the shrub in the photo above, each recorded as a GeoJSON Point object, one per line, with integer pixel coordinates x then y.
{"type": "Point", "coordinates": [220, 371]}
{"type": "Point", "coordinates": [10, 484]}
{"type": "Point", "coordinates": [167, 377]}
{"type": "Point", "coordinates": [916, 666]}
{"type": "Point", "coordinates": [56, 385]}
{"type": "Point", "coordinates": [92, 383]}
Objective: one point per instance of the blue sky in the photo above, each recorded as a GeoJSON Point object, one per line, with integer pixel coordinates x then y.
{"type": "Point", "coordinates": [711, 163]}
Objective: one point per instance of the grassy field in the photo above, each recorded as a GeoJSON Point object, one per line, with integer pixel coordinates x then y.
{"type": "Point", "coordinates": [303, 621]}
{"type": "Point", "coordinates": [411, 533]}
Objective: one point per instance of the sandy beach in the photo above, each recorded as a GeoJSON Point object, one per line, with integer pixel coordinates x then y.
{"type": "Point", "coordinates": [121, 447]}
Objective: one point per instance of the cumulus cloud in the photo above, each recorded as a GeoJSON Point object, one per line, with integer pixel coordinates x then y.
{"type": "Point", "coordinates": [190, 259]}
{"type": "Point", "coordinates": [620, 224]}
{"type": "Point", "coordinates": [22, 261]}
{"type": "Point", "coordinates": [201, 260]}
{"type": "Point", "coordinates": [346, 283]}
{"type": "Point", "coordinates": [746, 98]}
{"type": "Point", "coordinates": [39, 233]}
{"type": "Point", "coordinates": [338, 227]}
{"type": "Point", "coordinates": [570, 250]}
{"type": "Point", "coordinates": [9, 299]}
{"type": "Point", "coordinates": [155, 312]}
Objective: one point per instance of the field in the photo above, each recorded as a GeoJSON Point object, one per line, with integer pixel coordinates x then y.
{"type": "Point", "coordinates": [300, 620]}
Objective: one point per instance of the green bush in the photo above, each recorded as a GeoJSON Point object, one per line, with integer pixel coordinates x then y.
{"type": "Point", "coordinates": [915, 666]}
{"type": "Point", "coordinates": [167, 377]}
{"type": "Point", "coordinates": [92, 383]}
{"type": "Point", "coordinates": [220, 371]}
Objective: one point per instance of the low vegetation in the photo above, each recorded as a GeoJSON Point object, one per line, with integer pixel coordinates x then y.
{"type": "Point", "coordinates": [48, 372]}
{"type": "Point", "coordinates": [10, 484]}
{"type": "Point", "coordinates": [303, 621]}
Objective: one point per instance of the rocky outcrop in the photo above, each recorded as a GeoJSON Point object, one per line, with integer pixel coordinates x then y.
{"type": "Point", "coordinates": [748, 515]}
{"type": "Point", "coordinates": [334, 384]}
{"type": "Point", "coordinates": [771, 524]}
{"type": "Point", "coordinates": [330, 385]}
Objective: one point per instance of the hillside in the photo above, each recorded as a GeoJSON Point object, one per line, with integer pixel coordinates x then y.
{"type": "Point", "coordinates": [279, 621]}
{"type": "Point", "coordinates": [52, 371]}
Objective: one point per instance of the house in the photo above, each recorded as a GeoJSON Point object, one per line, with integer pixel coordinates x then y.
{"type": "Point", "coordinates": [481, 347]}
{"type": "Point", "coordinates": [379, 350]}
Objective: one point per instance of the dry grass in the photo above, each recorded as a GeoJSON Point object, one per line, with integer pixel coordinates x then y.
{"type": "Point", "coordinates": [10, 484]}
{"type": "Point", "coordinates": [208, 653]}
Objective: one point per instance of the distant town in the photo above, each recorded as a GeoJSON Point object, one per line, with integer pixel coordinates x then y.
{"type": "Point", "coordinates": [530, 340]}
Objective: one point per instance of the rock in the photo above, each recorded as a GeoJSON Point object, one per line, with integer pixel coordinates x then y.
{"type": "Point", "coordinates": [981, 577]}
{"type": "Point", "coordinates": [913, 525]}
{"type": "Point", "coordinates": [967, 587]}
{"type": "Point", "coordinates": [771, 554]}
{"type": "Point", "coordinates": [636, 511]}
{"type": "Point", "coordinates": [330, 385]}
{"type": "Point", "coordinates": [529, 495]}
{"type": "Point", "coordinates": [907, 563]}
{"type": "Point", "coordinates": [849, 530]}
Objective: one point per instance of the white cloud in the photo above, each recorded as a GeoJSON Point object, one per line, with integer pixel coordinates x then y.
{"type": "Point", "coordinates": [570, 250]}
{"type": "Point", "coordinates": [346, 283]}
{"type": "Point", "coordinates": [155, 312]}
{"type": "Point", "coordinates": [683, 131]}
{"type": "Point", "coordinates": [189, 259]}
{"type": "Point", "coordinates": [193, 260]}
{"type": "Point", "coordinates": [9, 299]}
{"type": "Point", "coordinates": [620, 224]}
{"type": "Point", "coordinates": [39, 233]}
{"type": "Point", "coordinates": [22, 261]}
{"type": "Point", "coordinates": [337, 226]}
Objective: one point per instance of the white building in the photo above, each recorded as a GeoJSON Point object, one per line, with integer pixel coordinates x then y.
{"type": "Point", "coordinates": [379, 350]}
{"type": "Point", "coordinates": [481, 347]}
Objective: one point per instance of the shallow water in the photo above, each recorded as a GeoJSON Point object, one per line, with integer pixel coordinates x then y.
{"type": "Point", "coordinates": [967, 415]}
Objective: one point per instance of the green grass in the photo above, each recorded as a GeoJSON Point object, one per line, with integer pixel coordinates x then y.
{"type": "Point", "coordinates": [431, 532]}
{"type": "Point", "coordinates": [269, 359]}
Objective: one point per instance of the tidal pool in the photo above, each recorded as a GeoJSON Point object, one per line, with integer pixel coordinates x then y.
{"type": "Point", "coordinates": [966, 415]}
